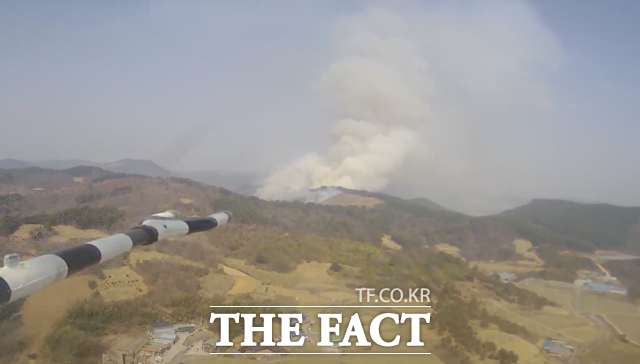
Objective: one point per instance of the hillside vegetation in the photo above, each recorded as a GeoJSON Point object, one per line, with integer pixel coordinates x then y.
{"type": "Point", "coordinates": [548, 224]}
{"type": "Point", "coordinates": [588, 226]}
{"type": "Point", "coordinates": [267, 247]}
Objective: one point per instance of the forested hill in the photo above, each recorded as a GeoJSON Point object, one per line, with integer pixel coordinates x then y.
{"type": "Point", "coordinates": [600, 226]}
{"type": "Point", "coordinates": [560, 225]}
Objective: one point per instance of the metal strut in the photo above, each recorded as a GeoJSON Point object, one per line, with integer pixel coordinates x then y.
{"type": "Point", "coordinates": [20, 279]}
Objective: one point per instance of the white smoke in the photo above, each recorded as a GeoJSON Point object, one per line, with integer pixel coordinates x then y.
{"type": "Point", "coordinates": [378, 85]}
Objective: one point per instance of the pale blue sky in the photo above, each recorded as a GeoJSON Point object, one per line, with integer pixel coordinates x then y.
{"type": "Point", "coordinates": [233, 85]}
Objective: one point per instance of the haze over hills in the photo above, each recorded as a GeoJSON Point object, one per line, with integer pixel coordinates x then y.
{"type": "Point", "coordinates": [241, 182]}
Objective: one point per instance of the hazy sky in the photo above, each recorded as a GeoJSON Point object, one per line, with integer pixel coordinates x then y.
{"type": "Point", "coordinates": [528, 99]}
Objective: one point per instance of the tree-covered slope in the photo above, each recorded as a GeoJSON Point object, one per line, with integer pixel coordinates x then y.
{"type": "Point", "coordinates": [599, 226]}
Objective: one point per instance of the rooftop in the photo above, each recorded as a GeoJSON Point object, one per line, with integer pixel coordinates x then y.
{"type": "Point", "coordinates": [507, 276]}
{"type": "Point", "coordinates": [552, 346]}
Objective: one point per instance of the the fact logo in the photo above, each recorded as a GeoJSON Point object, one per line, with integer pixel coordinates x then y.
{"type": "Point", "coordinates": [290, 328]}
{"type": "Point", "coordinates": [328, 332]}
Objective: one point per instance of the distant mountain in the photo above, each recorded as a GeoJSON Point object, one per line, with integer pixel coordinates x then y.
{"type": "Point", "coordinates": [241, 182]}
{"type": "Point", "coordinates": [66, 163]}
{"type": "Point", "coordinates": [14, 164]}
{"type": "Point", "coordinates": [603, 226]}
{"type": "Point", "coordinates": [143, 167]}
{"type": "Point", "coordinates": [425, 202]}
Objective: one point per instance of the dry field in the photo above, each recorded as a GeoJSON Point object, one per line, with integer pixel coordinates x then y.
{"type": "Point", "coordinates": [530, 262]}
{"type": "Point", "coordinates": [44, 308]}
{"type": "Point", "coordinates": [630, 325]}
{"type": "Point", "coordinates": [308, 284]}
{"type": "Point", "coordinates": [121, 284]}
{"type": "Point", "coordinates": [524, 248]}
{"type": "Point", "coordinates": [607, 304]}
{"type": "Point", "coordinates": [214, 284]}
{"type": "Point", "coordinates": [388, 243]}
{"type": "Point", "coordinates": [348, 199]}
{"type": "Point", "coordinates": [186, 201]}
{"type": "Point", "coordinates": [449, 249]}
{"type": "Point", "coordinates": [242, 282]}
{"type": "Point", "coordinates": [64, 233]}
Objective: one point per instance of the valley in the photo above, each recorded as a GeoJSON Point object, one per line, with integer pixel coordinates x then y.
{"type": "Point", "coordinates": [291, 253]}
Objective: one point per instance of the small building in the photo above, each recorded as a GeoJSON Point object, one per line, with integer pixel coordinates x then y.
{"type": "Point", "coordinates": [618, 290]}
{"type": "Point", "coordinates": [507, 277]}
{"type": "Point", "coordinates": [184, 328]}
{"type": "Point", "coordinates": [157, 325]}
{"type": "Point", "coordinates": [154, 349]}
{"type": "Point", "coordinates": [161, 327]}
{"type": "Point", "coordinates": [600, 287]}
{"type": "Point", "coordinates": [164, 332]}
{"type": "Point", "coordinates": [556, 348]}
{"type": "Point", "coordinates": [167, 338]}
{"type": "Point", "coordinates": [581, 282]}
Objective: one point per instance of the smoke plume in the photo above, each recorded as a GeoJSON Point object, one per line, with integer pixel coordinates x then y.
{"type": "Point", "coordinates": [378, 86]}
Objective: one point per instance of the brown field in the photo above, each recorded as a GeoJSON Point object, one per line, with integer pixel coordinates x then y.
{"type": "Point", "coordinates": [493, 267]}
{"type": "Point", "coordinates": [348, 199]}
{"type": "Point", "coordinates": [340, 296]}
{"type": "Point", "coordinates": [524, 248]}
{"type": "Point", "coordinates": [530, 262]}
{"type": "Point", "coordinates": [141, 255]}
{"type": "Point", "coordinates": [121, 284]}
{"type": "Point", "coordinates": [242, 282]}
{"type": "Point", "coordinates": [44, 308]}
{"type": "Point", "coordinates": [187, 201]}
{"type": "Point", "coordinates": [630, 325]}
{"type": "Point", "coordinates": [64, 233]}
{"type": "Point", "coordinates": [308, 284]}
{"type": "Point", "coordinates": [214, 284]}
{"type": "Point", "coordinates": [133, 340]}
{"type": "Point", "coordinates": [388, 243]}
{"type": "Point", "coordinates": [607, 304]}
{"type": "Point", "coordinates": [449, 249]}
{"type": "Point", "coordinates": [299, 297]}
{"type": "Point", "coordinates": [24, 232]}
{"type": "Point", "coordinates": [314, 270]}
